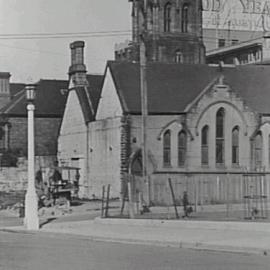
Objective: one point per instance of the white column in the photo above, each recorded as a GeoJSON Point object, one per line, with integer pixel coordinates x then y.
{"type": "Point", "coordinates": [31, 201]}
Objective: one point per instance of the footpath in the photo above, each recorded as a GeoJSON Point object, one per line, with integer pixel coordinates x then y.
{"type": "Point", "coordinates": [230, 236]}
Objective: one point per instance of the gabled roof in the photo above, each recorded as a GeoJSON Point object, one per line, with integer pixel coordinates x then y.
{"type": "Point", "coordinates": [50, 100]}
{"type": "Point", "coordinates": [89, 96]}
{"type": "Point", "coordinates": [172, 87]}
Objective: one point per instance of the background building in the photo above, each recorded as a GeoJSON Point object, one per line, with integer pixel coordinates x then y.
{"type": "Point", "coordinates": [255, 51]}
{"type": "Point", "coordinates": [172, 32]}
{"type": "Point", "coordinates": [227, 22]}
{"type": "Point", "coordinates": [50, 102]}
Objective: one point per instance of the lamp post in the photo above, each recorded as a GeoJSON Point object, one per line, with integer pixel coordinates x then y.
{"type": "Point", "coordinates": [31, 220]}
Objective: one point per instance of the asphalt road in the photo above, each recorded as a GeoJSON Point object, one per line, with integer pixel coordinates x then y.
{"type": "Point", "coordinates": [27, 251]}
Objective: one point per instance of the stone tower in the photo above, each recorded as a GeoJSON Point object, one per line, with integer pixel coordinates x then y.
{"type": "Point", "coordinates": [171, 30]}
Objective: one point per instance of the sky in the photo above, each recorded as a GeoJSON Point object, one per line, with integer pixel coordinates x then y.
{"type": "Point", "coordinates": [33, 59]}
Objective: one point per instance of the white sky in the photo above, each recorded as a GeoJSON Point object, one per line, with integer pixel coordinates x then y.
{"type": "Point", "coordinates": [50, 58]}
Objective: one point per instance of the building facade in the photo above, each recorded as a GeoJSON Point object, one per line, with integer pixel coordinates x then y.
{"type": "Point", "coordinates": [255, 51]}
{"type": "Point", "coordinates": [50, 102]}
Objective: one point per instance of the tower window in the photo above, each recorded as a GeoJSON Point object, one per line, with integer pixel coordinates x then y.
{"type": "Point", "coordinates": [220, 136]}
{"type": "Point", "coordinates": [185, 18]}
{"type": "Point", "coordinates": [167, 17]}
{"type": "Point", "coordinates": [178, 57]}
{"type": "Point", "coordinates": [167, 148]}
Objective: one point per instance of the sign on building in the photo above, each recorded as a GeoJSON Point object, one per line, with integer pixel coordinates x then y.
{"type": "Point", "coordinates": [244, 15]}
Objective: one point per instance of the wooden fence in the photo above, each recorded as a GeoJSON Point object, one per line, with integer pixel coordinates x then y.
{"type": "Point", "coordinates": [210, 188]}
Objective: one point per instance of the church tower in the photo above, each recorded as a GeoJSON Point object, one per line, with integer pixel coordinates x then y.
{"type": "Point", "coordinates": [171, 30]}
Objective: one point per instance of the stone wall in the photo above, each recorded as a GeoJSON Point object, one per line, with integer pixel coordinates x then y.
{"type": "Point", "coordinates": [15, 178]}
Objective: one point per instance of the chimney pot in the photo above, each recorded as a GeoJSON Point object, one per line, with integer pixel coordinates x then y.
{"type": "Point", "coordinates": [77, 58]}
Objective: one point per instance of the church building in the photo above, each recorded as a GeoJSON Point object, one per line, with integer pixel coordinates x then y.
{"type": "Point", "coordinates": [206, 126]}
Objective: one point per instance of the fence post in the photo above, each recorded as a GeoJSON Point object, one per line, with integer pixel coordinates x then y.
{"type": "Point", "coordinates": [130, 201]}
{"type": "Point", "coordinates": [228, 195]}
{"type": "Point", "coordinates": [107, 200]}
{"type": "Point", "coordinates": [102, 201]}
{"type": "Point", "coordinates": [173, 197]}
{"type": "Point", "coordinates": [195, 194]}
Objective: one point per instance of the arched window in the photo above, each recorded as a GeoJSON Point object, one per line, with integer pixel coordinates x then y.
{"type": "Point", "coordinates": [178, 57]}
{"type": "Point", "coordinates": [167, 17]}
{"type": "Point", "coordinates": [182, 148]}
{"type": "Point", "coordinates": [235, 146]}
{"type": "Point", "coordinates": [258, 149]}
{"type": "Point", "coordinates": [204, 145]}
{"type": "Point", "coordinates": [185, 18]}
{"type": "Point", "coordinates": [220, 136]}
{"type": "Point", "coordinates": [167, 148]}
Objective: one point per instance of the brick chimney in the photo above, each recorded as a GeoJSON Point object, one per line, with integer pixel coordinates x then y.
{"type": "Point", "coordinates": [4, 88]}
{"type": "Point", "coordinates": [77, 70]}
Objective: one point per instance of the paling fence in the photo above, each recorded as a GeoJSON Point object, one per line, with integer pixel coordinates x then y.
{"type": "Point", "coordinates": [245, 191]}
{"type": "Point", "coordinates": [242, 194]}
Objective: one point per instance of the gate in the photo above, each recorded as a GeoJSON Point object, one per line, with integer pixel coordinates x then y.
{"type": "Point", "coordinates": [255, 195]}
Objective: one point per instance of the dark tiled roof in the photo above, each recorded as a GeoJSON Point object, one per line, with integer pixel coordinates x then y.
{"type": "Point", "coordinates": [89, 96]}
{"type": "Point", "coordinates": [172, 87]}
{"type": "Point", "coordinates": [15, 88]}
{"type": "Point", "coordinates": [252, 83]}
{"type": "Point", "coordinates": [50, 100]}
{"type": "Point", "coordinates": [94, 89]}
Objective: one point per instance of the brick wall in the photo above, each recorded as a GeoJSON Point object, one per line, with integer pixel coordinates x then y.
{"type": "Point", "coordinates": [46, 132]}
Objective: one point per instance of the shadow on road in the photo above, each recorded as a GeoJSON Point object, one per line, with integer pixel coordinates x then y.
{"type": "Point", "coordinates": [46, 222]}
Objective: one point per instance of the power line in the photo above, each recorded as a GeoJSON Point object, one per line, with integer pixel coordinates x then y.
{"type": "Point", "coordinates": [32, 50]}
{"type": "Point", "coordinates": [67, 33]}
{"type": "Point", "coordinates": [27, 36]}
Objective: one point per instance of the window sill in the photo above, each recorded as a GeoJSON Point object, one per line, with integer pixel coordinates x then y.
{"type": "Point", "coordinates": [235, 166]}
{"type": "Point", "coordinates": [205, 166]}
{"type": "Point", "coordinates": [221, 166]}
{"type": "Point", "coordinates": [167, 166]}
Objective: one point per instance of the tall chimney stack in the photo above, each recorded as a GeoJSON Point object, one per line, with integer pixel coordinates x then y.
{"type": "Point", "coordinates": [77, 70]}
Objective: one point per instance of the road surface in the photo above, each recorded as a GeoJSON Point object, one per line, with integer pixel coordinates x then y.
{"type": "Point", "coordinates": [28, 251]}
